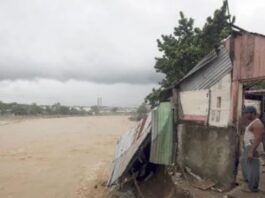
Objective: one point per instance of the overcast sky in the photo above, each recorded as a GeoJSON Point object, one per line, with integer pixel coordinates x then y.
{"type": "Point", "coordinates": [74, 51]}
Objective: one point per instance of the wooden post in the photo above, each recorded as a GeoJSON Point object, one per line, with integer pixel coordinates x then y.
{"type": "Point", "coordinates": [209, 107]}
{"type": "Point", "coordinates": [138, 188]}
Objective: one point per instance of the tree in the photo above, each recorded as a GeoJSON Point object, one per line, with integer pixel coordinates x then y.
{"type": "Point", "coordinates": [141, 112]}
{"type": "Point", "coordinates": [216, 28]}
{"type": "Point", "coordinates": [154, 97]}
{"type": "Point", "coordinates": [34, 109]}
{"type": "Point", "coordinates": [20, 109]}
{"type": "Point", "coordinates": [180, 51]}
{"type": "Point", "coordinates": [95, 110]}
{"type": "Point", "coordinates": [114, 109]}
{"type": "Point", "coordinates": [187, 45]}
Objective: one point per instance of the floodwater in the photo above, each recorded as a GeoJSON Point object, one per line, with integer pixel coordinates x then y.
{"type": "Point", "coordinates": [58, 157]}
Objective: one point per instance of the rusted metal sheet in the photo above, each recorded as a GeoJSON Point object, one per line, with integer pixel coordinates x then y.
{"type": "Point", "coordinates": [163, 138]}
{"type": "Point", "coordinates": [207, 73]}
{"type": "Point", "coordinates": [128, 146]}
{"type": "Point", "coordinates": [249, 59]}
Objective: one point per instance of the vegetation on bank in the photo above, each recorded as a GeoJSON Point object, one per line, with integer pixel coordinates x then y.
{"type": "Point", "coordinates": [34, 109]}
{"type": "Point", "coordinates": [140, 112]}
{"type": "Point", "coordinates": [58, 109]}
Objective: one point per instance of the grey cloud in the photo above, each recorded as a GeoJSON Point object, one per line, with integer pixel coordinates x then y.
{"type": "Point", "coordinates": [105, 47]}
{"type": "Point", "coordinates": [45, 91]}
{"type": "Point", "coordinates": [98, 41]}
{"type": "Point", "coordinates": [108, 76]}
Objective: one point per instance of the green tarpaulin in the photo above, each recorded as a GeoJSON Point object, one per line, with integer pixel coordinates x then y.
{"type": "Point", "coordinates": [163, 136]}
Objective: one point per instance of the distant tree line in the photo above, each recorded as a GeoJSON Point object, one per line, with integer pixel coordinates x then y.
{"type": "Point", "coordinates": [140, 112]}
{"type": "Point", "coordinates": [34, 109]}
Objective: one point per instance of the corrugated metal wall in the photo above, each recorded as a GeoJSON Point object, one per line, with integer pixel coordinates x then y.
{"type": "Point", "coordinates": [210, 74]}
{"type": "Point", "coordinates": [248, 51]}
{"type": "Point", "coordinates": [249, 59]}
{"type": "Point", "coordinates": [163, 141]}
{"type": "Point", "coordinates": [127, 147]}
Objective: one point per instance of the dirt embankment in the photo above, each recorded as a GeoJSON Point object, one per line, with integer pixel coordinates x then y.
{"type": "Point", "coordinates": [59, 157]}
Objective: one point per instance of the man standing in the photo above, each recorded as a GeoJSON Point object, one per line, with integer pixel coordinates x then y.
{"type": "Point", "coordinates": [252, 145]}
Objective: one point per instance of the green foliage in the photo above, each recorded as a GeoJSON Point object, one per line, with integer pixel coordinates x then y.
{"type": "Point", "coordinates": [186, 46]}
{"type": "Point", "coordinates": [154, 98]}
{"type": "Point", "coordinates": [180, 51]}
{"type": "Point", "coordinates": [216, 28]}
{"type": "Point", "coordinates": [256, 85]}
{"type": "Point", "coordinates": [95, 110]}
{"type": "Point", "coordinates": [114, 109]}
{"type": "Point", "coordinates": [141, 112]}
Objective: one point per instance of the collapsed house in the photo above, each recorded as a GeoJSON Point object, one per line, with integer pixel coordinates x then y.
{"type": "Point", "coordinates": [143, 144]}
{"type": "Point", "coordinates": [198, 125]}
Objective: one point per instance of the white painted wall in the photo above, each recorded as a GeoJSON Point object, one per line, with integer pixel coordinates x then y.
{"type": "Point", "coordinates": [195, 103]}
{"type": "Point", "coordinates": [219, 115]}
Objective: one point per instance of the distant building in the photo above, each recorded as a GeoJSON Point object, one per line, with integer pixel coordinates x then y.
{"type": "Point", "coordinates": [99, 102]}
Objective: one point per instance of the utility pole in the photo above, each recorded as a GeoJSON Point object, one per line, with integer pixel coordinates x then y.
{"type": "Point", "coordinates": [228, 10]}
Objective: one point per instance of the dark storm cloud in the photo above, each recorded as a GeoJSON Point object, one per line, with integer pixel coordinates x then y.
{"type": "Point", "coordinates": [96, 74]}
{"type": "Point", "coordinates": [98, 41]}
{"type": "Point", "coordinates": [89, 71]}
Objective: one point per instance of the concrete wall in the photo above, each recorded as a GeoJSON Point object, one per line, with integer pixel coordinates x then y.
{"type": "Point", "coordinates": [209, 151]}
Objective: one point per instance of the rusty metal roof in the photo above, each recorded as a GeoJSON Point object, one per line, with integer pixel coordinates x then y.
{"type": "Point", "coordinates": [242, 30]}
{"type": "Point", "coordinates": [207, 72]}
{"type": "Point", "coordinates": [128, 147]}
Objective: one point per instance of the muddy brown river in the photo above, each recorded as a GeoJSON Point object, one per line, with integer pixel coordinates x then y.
{"type": "Point", "coordinates": [57, 157]}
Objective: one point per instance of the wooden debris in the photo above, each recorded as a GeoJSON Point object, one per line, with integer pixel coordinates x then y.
{"type": "Point", "coordinates": [220, 190]}
{"type": "Point", "coordinates": [149, 176]}
{"type": "Point", "coordinates": [138, 188]}
{"type": "Point", "coordinates": [203, 184]}
{"type": "Point", "coordinates": [193, 174]}
{"type": "Point", "coordinates": [199, 182]}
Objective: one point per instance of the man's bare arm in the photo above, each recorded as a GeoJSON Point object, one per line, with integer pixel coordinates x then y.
{"type": "Point", "coordinates": [258, 132]}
